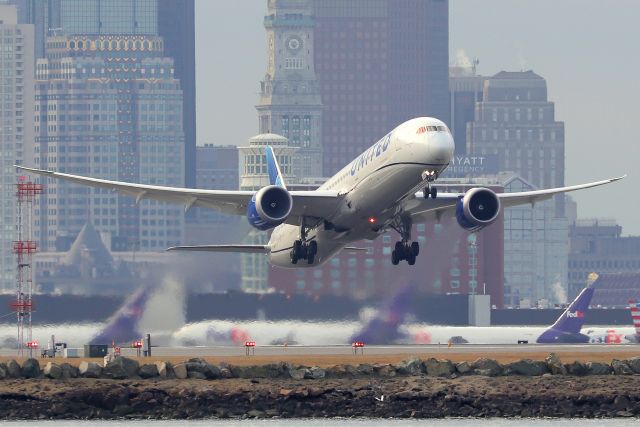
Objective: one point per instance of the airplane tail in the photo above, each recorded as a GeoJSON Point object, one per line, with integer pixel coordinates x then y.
{"type": "Point", "coordinates": [273, 168]}
{"type": "Point", "coordinates": [567, 327]}
{"type": "Point", "coordinates": [383, 327]}
{"type": "Point", "coordinates": [122, 326]}
{"type": "Point", "coordinates": [635, 315]}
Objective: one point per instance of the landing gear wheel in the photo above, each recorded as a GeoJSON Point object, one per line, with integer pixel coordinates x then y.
{"type": "Point", "coordinates": [415, 249]}
{"type": "Point", "coordinates": [312, 250]}
{"type": "Point", "coordinates": [296, 251]}
{"type": "Point", "coordinates": [433, 192]}
{"type": "Point", "coordinates": [411, 259]}
{"type": "Point", "coordinates": [394, 258]}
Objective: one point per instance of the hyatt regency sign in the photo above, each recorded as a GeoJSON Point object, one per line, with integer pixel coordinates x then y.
{"type": "Point", "coordinates": [472, 166]}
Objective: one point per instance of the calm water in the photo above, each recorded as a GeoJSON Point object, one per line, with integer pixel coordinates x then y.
{"type": "Point", "coordinates": [452, 422]}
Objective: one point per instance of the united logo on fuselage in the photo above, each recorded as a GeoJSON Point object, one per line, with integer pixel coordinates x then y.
{"type": "Point", "coordinates": [375, 151]}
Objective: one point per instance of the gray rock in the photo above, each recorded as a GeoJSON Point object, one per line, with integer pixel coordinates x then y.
{"type": "Point", "coordinates": [121, 368]}
{"type": "Point", "coordinates": [69, 371]}
{"type": "Point", "coordinates": [14, 369]}
{"type": "Point", "coordinates": [4, 371]}
{"type": "Point", "coordinates": [364, 369]}
{"type": "Point", "coordinates": [463, 368]}
{"type": "Point", "coordinates": [89, 370]}
{"type": "Point", "coordinates": [385, 371]}
{"type": "Point", "coordinates": [180, 371]}
{"type": "Point", "coordinates": [225, 373]}
{"type": "Point", "coordinates": [162, 369]}
{"type": "Point", "coordinates": [439, 368]}
{"type": "Point", "coordinates": [620, 367]}
{"type": "Point", "coordinates": [487, 367]}
{"type": "Point", "coordinates": [317, 373]}
{"type": "Point", "coordinates": [527, 368]}
{"type": "Point", "coordinates": [196, 375]}
{"type": "Point", "coordinates": [198, 365]}
{"type": "Point", "coordinates": [31, 368]}
{"type": "Point", "coordinates": [413, 366]}
{"type": "Point", "coordinates": [270, 370]}
{"type": "Point", "coordinates": [598, 368]}
{"type": "Point", "coordinates": [299, 373]}
{"type": "Point", "coordinates": [634, 364]}
{"type": "Point", "coordinates": [576, 368]}
{"type": "Point", "coordinates": [555, 364]}
{"type": "Point", "coordinates": [53, 371]}
{"type": "Point", "coordinates": [148, 371]}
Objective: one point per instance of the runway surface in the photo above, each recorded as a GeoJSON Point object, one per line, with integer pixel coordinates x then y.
{"type": "Point", "coordinates": [333, 355]}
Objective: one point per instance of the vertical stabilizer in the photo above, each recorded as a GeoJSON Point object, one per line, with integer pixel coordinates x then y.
{"type": "Point", "coordinates": [635, 316]}
{"type": "Point", "coordinates": [567, 327]}
{"type": "Point", "coordinates": [273, 168]}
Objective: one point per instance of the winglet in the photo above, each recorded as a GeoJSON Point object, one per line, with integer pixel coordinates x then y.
{"type": "Point", "coordinates": [275, 175]}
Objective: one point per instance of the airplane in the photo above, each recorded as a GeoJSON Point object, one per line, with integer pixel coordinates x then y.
{"type": "Point", "coordinates": [389, 186]}
{"type": "Point", "coordinates": [566, 328]}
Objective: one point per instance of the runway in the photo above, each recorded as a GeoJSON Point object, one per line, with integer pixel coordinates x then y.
{"type": "Point", "coordinates": [379, 350]}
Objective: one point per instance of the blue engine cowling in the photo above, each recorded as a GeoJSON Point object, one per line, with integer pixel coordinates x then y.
{"type": "Point", "coordinates": [478, 208]}
{"type": "Point", "coordinates": [269, 207]}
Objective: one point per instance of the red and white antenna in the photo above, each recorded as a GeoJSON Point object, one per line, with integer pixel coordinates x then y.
{"type": "Point", "coordinates": [24, 247]}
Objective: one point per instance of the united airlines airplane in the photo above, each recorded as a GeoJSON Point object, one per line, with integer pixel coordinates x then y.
{"type": "Point", "coordinates": [389, 186]}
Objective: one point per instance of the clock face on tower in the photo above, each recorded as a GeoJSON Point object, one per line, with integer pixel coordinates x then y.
{"type": "Point", "coordinates": [293, 44]}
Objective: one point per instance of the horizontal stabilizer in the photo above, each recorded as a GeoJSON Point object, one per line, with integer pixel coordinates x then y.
{"type": "Point", "coordinates": [255, 249]}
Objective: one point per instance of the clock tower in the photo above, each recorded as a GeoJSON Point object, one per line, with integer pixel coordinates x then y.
{"type": "Point", "coordinates": [290, 103]}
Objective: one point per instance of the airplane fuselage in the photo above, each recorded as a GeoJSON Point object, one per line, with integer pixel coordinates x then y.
{"type": "Point", "coordinates": [374, 184]}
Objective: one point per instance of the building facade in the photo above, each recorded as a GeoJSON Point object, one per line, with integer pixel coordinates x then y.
{"type": "Point", "coordinates": [379, 63]}
{"type": "Point", "coordinates": [535, 248]}
{"type": "Point", "coordinates": [515, 122]}
{"type": "Point", "coordinates": [173, 20]}
{"type": "Point", "coordinates": [597, 245]}
{"type": "Point", "coordinates": [216, 169]}
{"type": "Point", "coordinates": [451, 260]}
{"type": "Point", "coordinates": [290, 103]}
{"type": "Point", "coordinates": [109, 107]}
{"type": "Point", "coordinates": [16, 129]}
{"type": "Point", "coordinates": [465, 90]}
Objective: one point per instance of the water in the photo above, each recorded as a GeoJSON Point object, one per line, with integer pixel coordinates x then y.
{"type": "Point", "coordinates": [449, 422]}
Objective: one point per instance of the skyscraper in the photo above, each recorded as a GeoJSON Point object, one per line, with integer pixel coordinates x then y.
{"type": "Point", "coordinates": [16, 128]}
{"type": "Point", "coordinates": [176, 25]}
{"type": "Point", "coordinates": [379, 63]}
{"type": "Point", "coordinates": [515, 122]}
{"type": "Point", "coordinates": [290, 102]}
{"type": "Point", "coordinates": [173, 20]}
{"type": "Point", "coordinates": [109, 106]}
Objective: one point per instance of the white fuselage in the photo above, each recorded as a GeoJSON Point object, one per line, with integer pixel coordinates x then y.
{"type": "Point", "coordinates": [373, 185]}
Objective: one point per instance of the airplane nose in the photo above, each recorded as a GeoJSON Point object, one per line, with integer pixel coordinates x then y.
{"type": "Point", "coordinates": [441, 147]}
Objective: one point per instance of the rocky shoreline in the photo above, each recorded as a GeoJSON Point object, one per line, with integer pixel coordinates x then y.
{"type": "Point", "coordinates": [413, 388]}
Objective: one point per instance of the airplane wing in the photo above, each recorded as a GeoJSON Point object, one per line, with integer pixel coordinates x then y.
{"type": "Point", "coordinates": [305, 203]}
{"type": "Point", "coordinates": [260, 249]}
{"type": "Point", "coordinates": [426, 209]}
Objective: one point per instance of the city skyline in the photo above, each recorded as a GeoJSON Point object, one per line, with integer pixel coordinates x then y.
{"type": "Point", "coordinates": [566, 60]}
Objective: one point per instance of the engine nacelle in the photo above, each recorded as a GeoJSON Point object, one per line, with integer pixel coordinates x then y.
{"type": "Point", "coordinates": [478, 208]}
{"type": "Point", "coordinates": [269, 207]}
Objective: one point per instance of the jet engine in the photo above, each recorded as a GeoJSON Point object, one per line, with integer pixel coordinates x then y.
{"type": "Point", "coordinates": [269, 207]}
{"type": "Point", "coordinates": [477, 209]}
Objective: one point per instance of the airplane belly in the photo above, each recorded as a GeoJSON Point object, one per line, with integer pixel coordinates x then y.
{"type": "Point", "coordinates": [282, 244]}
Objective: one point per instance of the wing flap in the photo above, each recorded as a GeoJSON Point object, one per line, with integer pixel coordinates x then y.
{"type": "Point", "coordinates": [253, 249]}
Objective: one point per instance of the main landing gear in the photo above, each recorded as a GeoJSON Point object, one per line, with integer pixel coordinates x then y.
{"type": "Point", "coordinates": [303, 249]}
{"type": "Point", "coordinates": [405, 250]}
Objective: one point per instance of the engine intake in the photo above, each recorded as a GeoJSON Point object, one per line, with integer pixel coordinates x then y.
{"type": "Point", "coordinates": [478, 208]}
{"type": "Point", "coordinates": [269, 207]}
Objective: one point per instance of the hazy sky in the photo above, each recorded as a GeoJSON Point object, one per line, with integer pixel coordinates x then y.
{"type": "Point", "coordinates": [585, 49]}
